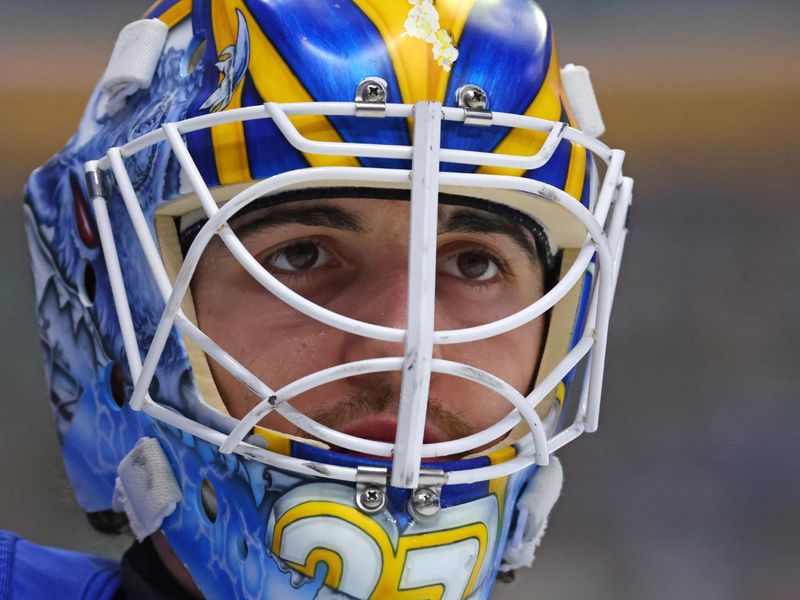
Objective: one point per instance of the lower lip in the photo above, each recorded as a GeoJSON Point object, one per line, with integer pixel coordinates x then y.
{"type": "Point", "coordinates": [385, 430]}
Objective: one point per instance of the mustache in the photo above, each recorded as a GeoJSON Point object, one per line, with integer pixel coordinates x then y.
{"type": "Point", "coordinates": [362, 404]}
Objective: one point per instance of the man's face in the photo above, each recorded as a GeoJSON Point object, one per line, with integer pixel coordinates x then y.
{"type": "Point", "coordinates": [350, 256]}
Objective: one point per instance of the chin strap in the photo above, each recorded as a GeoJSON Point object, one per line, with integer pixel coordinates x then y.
{"type": "Point", "coordinates": [145, 489]}
{"type": "Point", "coordinates": [533, 509]}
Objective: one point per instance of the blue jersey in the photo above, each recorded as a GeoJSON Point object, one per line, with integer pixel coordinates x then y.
{"type": "Point", "coordinates": [31, 572]}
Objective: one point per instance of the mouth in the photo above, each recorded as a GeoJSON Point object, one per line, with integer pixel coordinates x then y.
{"type": "Point", "coordinates": [383, 428]}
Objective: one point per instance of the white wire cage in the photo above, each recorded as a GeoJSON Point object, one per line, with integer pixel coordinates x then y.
{"type": "Point", "coordinates": [604, 223]}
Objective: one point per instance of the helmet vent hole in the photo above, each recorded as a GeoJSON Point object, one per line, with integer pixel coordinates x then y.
{"type": "Point", "coordinates": [118, 388]}
{"type": "Point", "coordinates": [155, 387]}
{"type": "Point", "coordinates": [87, 284]}
{"type": "Point", "coordinates": [194, 54]}
{"type": "Point", "coordinates": [208, 498]}
{"type": "Point", "coordinates": [244, 549]}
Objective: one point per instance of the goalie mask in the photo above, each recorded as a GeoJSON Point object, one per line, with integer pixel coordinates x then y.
{"type": "Point", "coordinates": [323, 286]}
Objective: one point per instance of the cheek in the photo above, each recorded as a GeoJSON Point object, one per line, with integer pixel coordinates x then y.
{"type": "Point", "coordinates": [512, 357]}
{"type": "Point", "coordinates": [272, 340]}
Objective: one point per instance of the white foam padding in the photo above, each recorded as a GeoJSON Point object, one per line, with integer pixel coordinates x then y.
{"type": "Point", "coordinates": [533, 510]}
{"type": "Point", "coordinates": [145, 488]}
{"type": "Point", "coordinates": [582, 100]}
{"type": "Point", "coordinates": [133, 61]}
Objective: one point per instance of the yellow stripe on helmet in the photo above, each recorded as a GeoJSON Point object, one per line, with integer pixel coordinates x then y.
{"type": "Point", "coordinates": [418, 75]}
{"type": "Point", "coordinates": [546, 105]}
{"type": "Point", "coordinates": [177, 13]}
{"type": "Point", "coordinates": [275, 82]}
{"type": "Point", "coordinates": [576, 175]}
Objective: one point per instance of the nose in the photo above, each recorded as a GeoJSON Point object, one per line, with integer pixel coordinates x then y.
{"type": "Point", "coordinates": [385, 299]}
{"type": "Point", "coordinates": [385, 302]}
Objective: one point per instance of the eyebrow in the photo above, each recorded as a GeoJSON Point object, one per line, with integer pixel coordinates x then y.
{"type": "Point", "coordinates": [470, 221]}
{"type": "Point", "coordinates": [313, 216]}
{"type": "Point", "coordinates": [323, 215]}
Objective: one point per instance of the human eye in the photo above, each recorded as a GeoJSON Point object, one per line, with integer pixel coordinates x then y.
{"type": "Point", "coordinates": [298, 257]}
{"type": "Point", "coordinates": [472, 264]}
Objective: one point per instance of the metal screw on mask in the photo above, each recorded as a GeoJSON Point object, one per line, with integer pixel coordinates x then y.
{"type": "Point", "coordinates": [371, 499]}
{"type": "Point", "coordinates": [371, 96]}
{"type": "Point", "coordinates": [475, 102]}
{"type": "Point", "coordinates": [371, 489]}
{"type": "Point", "coordinates": [425, 502]}
{"type": "Point", "coordinates": [472, 96]}
{"type": "Point", "coordinates": [374, 93]}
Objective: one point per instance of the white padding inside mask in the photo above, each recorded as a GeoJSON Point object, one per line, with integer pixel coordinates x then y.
{"type": "Point", "coordinates": [145, 488]}
{"type": "Point", "coordinates": [171, 255]}
{"type": "Point", "coordinates": [133, 61]}
{"type": "Point", "coordinates": [533, 510]}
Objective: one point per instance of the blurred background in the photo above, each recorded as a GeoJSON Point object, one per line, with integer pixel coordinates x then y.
{"type": "Point", "coordinates": [691, 487]}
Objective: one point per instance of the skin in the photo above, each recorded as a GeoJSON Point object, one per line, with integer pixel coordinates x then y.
{"type": "Point", "coordinates": [350, 256]}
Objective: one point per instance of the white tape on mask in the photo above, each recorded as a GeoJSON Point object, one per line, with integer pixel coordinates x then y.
{"type": "Point", "coordinates": [133, 61]}
{"type": "Point", "coordinates": [145, 488]}
{"type": "Point", "coordinates": [533, 510]}
{"type": "Point", "coordinates": [582, 100]}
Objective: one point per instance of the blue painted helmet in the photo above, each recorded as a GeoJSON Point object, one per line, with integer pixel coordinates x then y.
{"type": "Point", "coordinates": [216, 118]}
